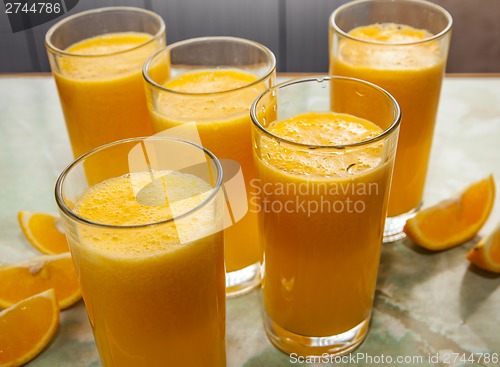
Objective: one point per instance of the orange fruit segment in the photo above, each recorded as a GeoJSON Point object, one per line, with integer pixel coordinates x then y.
{"type": "Point", "coordinates": [27, 327]}
{"type": "Point", "coordinates": [42, 231]}
{"type": "Point", "coordinates": [455, 220]}
{"type": "Point", "coordinates": [486, 254]}
{"type": "Point", "coordinates": [22, 280]}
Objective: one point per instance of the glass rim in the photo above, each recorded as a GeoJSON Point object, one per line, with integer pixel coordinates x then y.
{"type": "Point", "coordinates": [151, 82]}
{"type": "Point", "coordinates": [319, 79]}
{"type": "Point", "coordinates": [425, 3]}
{"type": "Point", "coordinates": [74, 216]}
{"type": "Point", "coordinates": [55, 50]}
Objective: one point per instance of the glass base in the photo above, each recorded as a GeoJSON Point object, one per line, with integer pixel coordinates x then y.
{"type": "Point", "coordinates": [334, 345]}
{"type": "Point", "coordinates": [242, 281]}
{"type": "Point", "coordinates": [393, 229]}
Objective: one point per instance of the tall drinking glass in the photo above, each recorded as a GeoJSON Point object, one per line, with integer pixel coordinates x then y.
{"type": "Point", "coordinates": [149, 251]}
{"type": "Point", "coordinates": [401, 46]}
{"type": "Point", "coordinates": [96, 58]}
{"type": "Point", "coordinates": [324, 150]}
{"type": "Point", "coordinates": [211, 82]}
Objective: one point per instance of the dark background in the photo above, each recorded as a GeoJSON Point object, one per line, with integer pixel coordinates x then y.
{"type": "Point", "coordinates": [295, 30]}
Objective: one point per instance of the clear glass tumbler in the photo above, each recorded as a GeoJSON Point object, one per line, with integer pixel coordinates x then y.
{"type": "Point", "coordinates": [149, 251]}
{"type": "Point", "coordinates": [401, 46]}
{"type": "Point", "coordinates": [211, 82]}
{"type": "Point", "coordinates": [96, 58]}
{"type": "Point", "coordinates": [324, 150]}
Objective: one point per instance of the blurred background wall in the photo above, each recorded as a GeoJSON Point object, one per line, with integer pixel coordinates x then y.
{"type": "Point", "coordinates": [295, 30]}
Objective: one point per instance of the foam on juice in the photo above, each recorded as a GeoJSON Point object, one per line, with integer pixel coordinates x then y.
{"type": "Point", "coordinates": [323, 129]}
{"type": "Point", "coordinates": [131, 200]}
{"type": "Point", "coordinates": [104, 45]}
{"type": "Point", "coordinates": [407, 54]}
{"type": "Point", "coordinates": [214, 107]}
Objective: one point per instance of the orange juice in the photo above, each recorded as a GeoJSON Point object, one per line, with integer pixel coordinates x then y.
{"type": "Point", "coordinates": [412, 73]}
{"type": "Point", "coordinates": [224, 125]}
{"type": "Point", "coordinates": [152, 299]}
{"type": "Point", "coordinates": [321, 257]}
{"type": "Point", "coordinates": [102, 95]}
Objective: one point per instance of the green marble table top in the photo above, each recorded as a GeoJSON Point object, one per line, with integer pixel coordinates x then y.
{"type": "Point", "coordinates": [431, 309]}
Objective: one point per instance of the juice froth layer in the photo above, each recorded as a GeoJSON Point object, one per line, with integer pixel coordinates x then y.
{"type": "Point", "coordinates": [134, 199]}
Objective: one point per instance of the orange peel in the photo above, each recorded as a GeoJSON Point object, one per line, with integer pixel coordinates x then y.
{"type": "Point", "coordinates": [453, 221]}
{"type": "Point", "coordinates": [43, 232]}
{"type": "Point", "coordinates": [27, 328]}
{"type": "Point", "coordinates": [486, 254]}
{"type": "Point", "coordinates": [24, 279]}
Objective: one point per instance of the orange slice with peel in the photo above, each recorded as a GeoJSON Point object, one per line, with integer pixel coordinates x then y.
{"type": "Point", "coordinates": [27, 327]}
{"type": "Point", "coordinates": [453, 221]}
{"type": "Point", "coordinates": [27, 278]}
{"type": "Point", "coordinates": [486, 254]}
{"type": "Point", "coordinates": [43, 232]}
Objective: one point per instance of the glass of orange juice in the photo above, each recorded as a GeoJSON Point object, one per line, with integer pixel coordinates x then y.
{"type": "Point", "coordinates": [149, 251]}
{"type": "Point", "coordinates": [211, 82]}
{"type": "Point", "coordinates": [96, 58]}
{"type": "Point", "coordinates": [401, 46]}
{"type": "Point", "coordinates": [324, 150]}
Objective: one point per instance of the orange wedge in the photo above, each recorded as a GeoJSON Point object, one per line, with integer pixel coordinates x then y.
{"type": "Point", "coordinates": [38, 274]}
{"type": "Point", "coordinates": [455, 220]}
{"type": "Point", "coordinates": [27, 327]}
{"type": "Point", "coordinates": [486, 254]}
{"type": "Point", "coordinates": [42, 231]}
